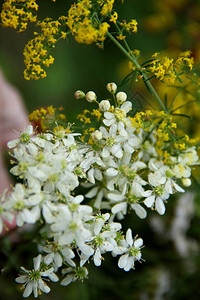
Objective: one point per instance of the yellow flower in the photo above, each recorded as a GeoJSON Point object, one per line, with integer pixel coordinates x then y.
{"type": "Point", "coordinates": [81, 25]}
{"type": "Point", "coordinates": [121, 36]}
{"type": "Point", "coordinates": [107, 7]}
{"type": "Point", "coordinates": [130, 26]}
{"type": "Point", "coordinates": [18, 16]}
{"type": "Point", "coordinates": [114, 17]}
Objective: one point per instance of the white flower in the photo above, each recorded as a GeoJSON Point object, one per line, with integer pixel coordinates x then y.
{"type": "Point", "coordinates": [121, 97]}
{"type": "Point", "coordinates": [79, 94]}
{"type": "Point", "coordinates": [97, 135]}
{"type": "Point", "coordinates": [78, 273]}
{"type": "Point", "coordinates": [124, 200]}
{"type": "Point", "coordinates": [102, 240]}
{"type": "Point", "coordinates": [91, 96]}
{"type": "Point", "coordinates": [111, 87]}
{"type": "Point", "coordinates": [5, 211]}
{"type": "Point", "coordinates": [25, 137]}
{"type": "Point", "coordinates": [132, 253]}
{"type": "Point", "coordinates": [69, 226]}
{"type": "Point", "coordinates": [181, 171]}
{"type": "Point", "coordinates": [24, 214]}
{"type": "Point", "coordinates": [119, 114]}
{"type": "Point", "coordinates": [186, 182]}
{"type": "Point", "coordinates": [33, 280]}
{"type": "Point", "coordinates": [55, 253]}
{"type": "Point", "coordinates": [104, 105]}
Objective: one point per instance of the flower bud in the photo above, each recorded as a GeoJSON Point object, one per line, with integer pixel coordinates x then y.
{"type": "Point", "coordinates": [186, 182]}
{"type": "Point", "coordinates": [104, 105]}
{"type": "Point", "coordinates": [91, 96]}
{"type": "Point", "coordinates": [111, 87]}
{"type": "Point", "coordinates": [97, 135]}
{"type": "Point", "coordinates": [79, 94]}
{"type": "Point", "coordinates": [121, 97]}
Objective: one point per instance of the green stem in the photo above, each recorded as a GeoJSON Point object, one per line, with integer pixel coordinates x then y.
{"type": "Point", "coordinates": [139, 68]}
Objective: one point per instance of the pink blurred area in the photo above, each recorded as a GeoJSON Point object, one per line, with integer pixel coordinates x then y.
{"type": "Point", "coordinates": [13, 119]}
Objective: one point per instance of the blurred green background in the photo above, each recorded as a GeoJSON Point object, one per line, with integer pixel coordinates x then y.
{"type": "Point", "coordinates": [167, 273]}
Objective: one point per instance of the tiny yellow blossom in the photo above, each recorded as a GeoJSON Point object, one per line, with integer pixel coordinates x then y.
{"type": "Point", "coordinates": [114, 17]}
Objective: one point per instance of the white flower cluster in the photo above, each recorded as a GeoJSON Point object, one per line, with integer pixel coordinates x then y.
{"type": "Point", "coordinates": [128, 171]}
{"type": "Point", "coordinates": [122, 169]}
{"type": "Point", "coordinates": [51, 166]}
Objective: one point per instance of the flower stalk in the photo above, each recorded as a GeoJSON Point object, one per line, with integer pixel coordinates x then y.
{"type": "Point", "coordinates": [139, 68]}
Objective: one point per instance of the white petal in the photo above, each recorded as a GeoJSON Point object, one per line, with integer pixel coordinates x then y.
{"type": "Point", "coordinates": [138, 243]}
{"type": "Point", "coordinates": [92, 192]}
{"type": "Point", "coordinates": [123, 261]}
{"type": "Point", "coordinates": [49, 258]}
{"type": "Point", "coordinates": [98, 200]}
{"type": "Point", "coordinates": [115, 197]}
{"type": "Point", "coordinates": [28, 289]}
{"type": "Point", "coordinates": [108, 115]}
{"type": "Point", "coordinates": [113, 129]}
{"type": "Point", "coordinates": [87, 250]}
{"type": "Point", "coordinates": [91, 175]}
{"type": "Point", "coordinates": [107, 246]}
{"type": "Point", "coordinates": [129, 237]}
{"type": "Point", "coordinates": [149, 201]}
{"type": "Point", "coordinates": [139, 210]}
{"type": "Point", "coordinates": [178, 188]}
{"type": "Point", "coordinates": [126, 107]}
{"type": "Point", "coordinates": [37, 261]}
{"type": "Point", "coordinates": [119, 207]}
{"type": "Point", "coordinates": [98, 174]}
{"type": "Point", "coordinates": [12, 144]}
{"type": "Point", "coordinates": [43, 286]}
{"type": "Point", "coordinates": [160, 207]}
{"type": "Point", "coordinates": [53, 277]}
{"type": "Point", "coordinates": [117, 150]}
{"type": "Point", "coordinates": [105, 152]}
{"type": "Point", "coordinates": [108, 122]}
{"type": "Point", "coordinates": [21, 279]}
{"type": "Point", "coordinates": [67, 280]}
{"type": "Point", "coordinates": [129, 264]}
{"type": "Point", "coordinates": [97, 258]}
{"type": "Point", "coordinates": [29, 129]}
{"type": "Point", "coordinates": [98, 225]}
{"type": "Point", "coordinates": [111, 172]}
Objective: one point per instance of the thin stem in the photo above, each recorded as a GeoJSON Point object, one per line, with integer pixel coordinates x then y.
{"type": "Point", "coordinates": [139, 68]}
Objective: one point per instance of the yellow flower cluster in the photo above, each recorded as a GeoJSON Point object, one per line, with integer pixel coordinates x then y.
{"type": "Point", "coordinates": [169, 70]}
{"type": "Point", "coordinates": [17, 13]}
{"type": "Point", "coordinates": [36, 52]}
{"type": "Point", "coordinates": [49, 117]}
{"type": "Point", "coordinates": [107, 6]}
{"type": "Point", "coordinates": [40, 114]}
{"type": "Point", "coordinates": [130, 26]}
{"type": "Point", "coordinates": [82, 26]}
{"type": "Point", "coordinates": [167, 142]}
{"type": "Point", "coordinates": [85, 116]}
{"type": "Point", "coordinates": [114, 17]}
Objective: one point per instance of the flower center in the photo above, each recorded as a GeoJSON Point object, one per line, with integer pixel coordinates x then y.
{"type": "Point", "coordinates": [73, 226]}
{"type": "Point", "coordinates": [134, 251]}
{"type": "Point", "coordinates": [98, 241]}
{"type": "Point", "coordinates": [110, 141]}
{"type": "Point", "coordinates": [24, 138]}
{"type": "Point", "coordinates": [80, 273]}
{"type": "Point", "coordinates": [120, 114]}
{"type": "Point", "coordinates": [19, 205]}
{"type": "Point", "coordinates": [34, 275]}
{"type": "Point", "coordinates": [159, 190]}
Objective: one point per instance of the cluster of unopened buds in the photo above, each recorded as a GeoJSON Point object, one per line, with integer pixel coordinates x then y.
{"type": "Point", "coordinates": [119, 168]}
